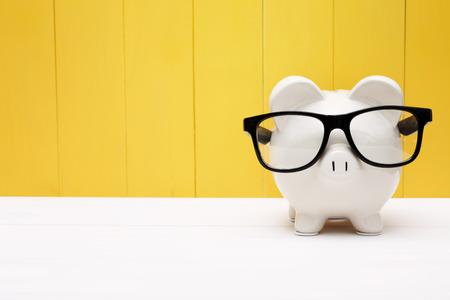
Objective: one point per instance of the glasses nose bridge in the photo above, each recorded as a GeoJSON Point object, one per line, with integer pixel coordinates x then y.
{"type": "Point", "coordinates": [336, 122]}
{"type": "Point", "coordinates": [339, 122]}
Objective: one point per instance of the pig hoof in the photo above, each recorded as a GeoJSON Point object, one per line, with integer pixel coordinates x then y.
{"type": "Point", "coordinates": [368, 233]}
{"type": "Point", "coordinates": [306, 233]}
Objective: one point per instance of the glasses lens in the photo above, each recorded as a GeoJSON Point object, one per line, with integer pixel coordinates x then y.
{"type": "Point", "coordinates": [385, 136]}
{"type": "Point", "coordinates": [289, 141]}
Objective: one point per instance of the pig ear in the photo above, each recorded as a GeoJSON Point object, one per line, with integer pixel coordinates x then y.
{"type": "Point", "coordinates": [377, 91]}
{"type": "Point", "coordinates": [292, 93]}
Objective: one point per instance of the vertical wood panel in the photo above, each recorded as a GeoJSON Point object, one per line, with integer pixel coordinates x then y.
{"type": "Point", "coordinates": [28, 136]}
{"type": "Point", "coordinates": [298, 41]}
{"type": "Point", "coordinates": [228, 88]}
{"type": "Point", "coordinates": [159, 96]}
{"type": "Point", "coordinates": [231, 83]}
{"type": "Point", "coordinates": [369, 40]}
{"type": "Point", "coordinates": [90, 92]}
{"type": "Point", "coordinates": [426, 81]}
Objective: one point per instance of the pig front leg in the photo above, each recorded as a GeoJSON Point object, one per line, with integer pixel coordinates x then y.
{"type": "Point", "coordinates": [308, 224]}
{"type": "Point", "coordinates": [367, 224]}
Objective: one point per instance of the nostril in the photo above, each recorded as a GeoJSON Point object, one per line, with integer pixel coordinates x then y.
{"type": "Point", "coordinates": [339, 162]}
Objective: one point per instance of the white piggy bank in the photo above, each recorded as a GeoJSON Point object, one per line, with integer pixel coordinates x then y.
{"type": "Point", "coordinates": [339, 185]}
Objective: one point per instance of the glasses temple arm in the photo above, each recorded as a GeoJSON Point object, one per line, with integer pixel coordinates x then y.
{"type": "Point", "coordinates": [263, 135]}
{"type": "Point", "coordinates": [408, 126]}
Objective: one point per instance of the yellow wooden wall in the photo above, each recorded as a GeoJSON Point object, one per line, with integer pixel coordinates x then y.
{"type": "Point", "coordinates": [146, 98]}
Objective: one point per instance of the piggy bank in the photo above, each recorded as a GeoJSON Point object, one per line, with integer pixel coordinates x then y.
{"type": "Point", "coordinates": [337, 154]}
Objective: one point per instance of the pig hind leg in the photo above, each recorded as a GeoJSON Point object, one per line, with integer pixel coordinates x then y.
{"type": "Point", "coordinates": [368, 224]}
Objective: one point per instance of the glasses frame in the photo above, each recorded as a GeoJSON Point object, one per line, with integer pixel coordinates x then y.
{"type": "Point", "coordinates": [341, 121]}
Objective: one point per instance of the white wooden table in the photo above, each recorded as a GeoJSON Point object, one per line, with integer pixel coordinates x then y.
{"type": "Point", "coordinates": [165, 248]}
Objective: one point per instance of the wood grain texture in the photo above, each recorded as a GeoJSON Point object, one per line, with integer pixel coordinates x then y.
{"type": "Point", "coordinates": [228, 88]}
{"type": "Point", "coordinates": [426, 80]}
{"type": "Point", "coordinates": [159, 98]}
{"type": "Point", "coordinates": [368, 40]}
{"type": "Point", "coordinates": [28, 125]}
{"type": "Point", "coordinates": [91, 104]}
{"type": "Point", "coordinates": [146, 98]}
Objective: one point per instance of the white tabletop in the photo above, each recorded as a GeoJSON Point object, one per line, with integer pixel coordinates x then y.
{"type": "Point", "coordinates": [187, 248]}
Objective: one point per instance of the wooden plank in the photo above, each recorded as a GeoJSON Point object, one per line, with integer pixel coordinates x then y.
{"type": "Point", "coordinates": [228, 88]}
{"type": "Point", "coordinates": [159, 96]}
{"type": "Point", "coordinates": [28, 125]}
{"type": "Point", "coordinates": [91, 107]}
{"type": "Point", "coordinates": [298, 40]}
{"type": "Point", "coordinates": [208, 253]}
{"type": "Point", "coordinates": [369, 40]}
{"type": "Point", "coordinates": [426, 82]}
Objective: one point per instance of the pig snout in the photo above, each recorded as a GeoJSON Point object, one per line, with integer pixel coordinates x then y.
{"type": "Point", "coordinates": [339, 161]}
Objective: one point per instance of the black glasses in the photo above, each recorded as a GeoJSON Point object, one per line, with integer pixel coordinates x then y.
{"type": "Point", "coordinates": [383, 136]}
